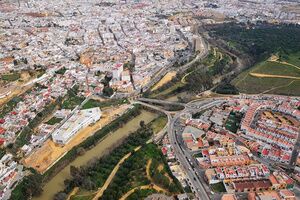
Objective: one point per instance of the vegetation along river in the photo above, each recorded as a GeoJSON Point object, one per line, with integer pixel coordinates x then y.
{"type": "Point", "coordinates": [56, 184]}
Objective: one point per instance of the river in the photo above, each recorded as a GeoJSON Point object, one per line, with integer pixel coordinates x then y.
{"type": "Point", "coordinates": [56, 184]}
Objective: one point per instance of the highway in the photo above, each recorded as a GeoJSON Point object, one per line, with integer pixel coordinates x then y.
{"type": "Point", "coordinates": [174, 129]}
{"type": "Point", "coordinates": [194, 176]}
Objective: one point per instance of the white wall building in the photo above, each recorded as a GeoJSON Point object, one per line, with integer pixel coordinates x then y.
{"type": "Point", "coordinates": [117, 70]}
{"type": "Point", "coordinates": [79, 120]}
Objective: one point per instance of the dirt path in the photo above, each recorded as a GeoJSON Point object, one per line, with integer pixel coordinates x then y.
{"type": "Point", "coordinates": [144, 187]}
{"type": "Point", "coordinates": [274, 88]}
{"type": "Point", "coordinates": [272, 76]}
{"type": "Point", "coordinates": [111, 176]}
{"type": "Point", "coordinates": [148, 169]}
{"type": "Point", "coordinates": [183, 78]}
{"type": "Point", "coordinates": [152, 186]}
{"type": "Point", "coordinates": [150, 178]}
{"type": "Point", "coordinates": [286, 63]}
{"type": "Point", "coordinates": [275, 58]}
{"type": "Point", "coordinates": [73, 192]}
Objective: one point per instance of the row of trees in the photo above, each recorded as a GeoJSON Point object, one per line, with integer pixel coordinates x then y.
{"type": "Point", "coordinates": [30, 186]}
{"type": "Point", "coordinates": [198, 81]}
{"type": "Point", "coordinates": [92, 140]}
{"type": "Point", "coordinates": [94, 174]}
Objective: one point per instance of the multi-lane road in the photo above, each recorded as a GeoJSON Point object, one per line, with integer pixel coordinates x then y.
{"type": "Point", "coordinates": [194, 175]}
{"type": "Point", "coordinates": [174, 129]}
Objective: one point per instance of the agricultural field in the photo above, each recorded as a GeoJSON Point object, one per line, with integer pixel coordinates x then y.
{"type": "Point", "coordinates": [275, 76]}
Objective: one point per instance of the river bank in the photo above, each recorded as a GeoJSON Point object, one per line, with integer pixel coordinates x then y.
{"type": "Point", "coordinates": [57, 182]}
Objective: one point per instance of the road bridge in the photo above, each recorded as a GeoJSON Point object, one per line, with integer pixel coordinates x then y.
{"type": "Point", "coordinates": [157, 101]}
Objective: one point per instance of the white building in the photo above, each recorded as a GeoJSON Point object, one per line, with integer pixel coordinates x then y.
{"type": "Point", "coordinates": [117, 70]}
{"type": "Point", "coordinates": [79, 120]}
{"type": "Point", "coordinates": [10, 173]}
{"type": "Point", "coordinates": [126, 76]}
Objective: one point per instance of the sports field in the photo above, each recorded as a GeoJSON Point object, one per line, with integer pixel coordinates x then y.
{"type": "Point", "coordinates": [272, 76]}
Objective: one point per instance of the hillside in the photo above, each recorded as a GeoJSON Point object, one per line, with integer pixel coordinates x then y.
{"type": "Point", "coordinates": [275, 50]}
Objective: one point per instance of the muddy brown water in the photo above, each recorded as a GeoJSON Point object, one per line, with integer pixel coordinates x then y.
{"type": "Point", "coordinates": [56, 184]}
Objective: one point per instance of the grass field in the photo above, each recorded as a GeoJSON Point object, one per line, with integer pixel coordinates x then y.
{"type": "Point", "coordinates": [294, 59]}
{"type": "Point", "coordinates": [92, 103]}
{"type": "Point", "coordinates": [140, 194]}
{"type": "Point", "coordinates": [10, 77]}
{"type": "Point", "coordinates": [274, 68]}
{"type": "Point", "coordinates": [72, 101]}
{"type": "Point", "coordinates": [159, 123]}
{"type": "Point", "coordinates": [218, 187]}
{"type": "Point", "coordinates": [82, 197]}
{"type": "Point", "coordinates": [53, 121]}
{"type": "Point", "coordinates": [249, 83]}
{"type": "Point", "coordinates": [233, 122]}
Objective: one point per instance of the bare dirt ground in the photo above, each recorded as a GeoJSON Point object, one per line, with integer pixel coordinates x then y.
{"type": "Point", "coordinates": [259, 75]}
{"type": "Point", "coordinates": [16, 88]}
{"type": "Point", "coordinates": [49, 153]}
{"type": "Point", "coordinates": [164, 80]}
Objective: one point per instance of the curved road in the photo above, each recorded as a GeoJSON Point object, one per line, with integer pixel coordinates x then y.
{"type": "Point", "coordinates": [194, 178]}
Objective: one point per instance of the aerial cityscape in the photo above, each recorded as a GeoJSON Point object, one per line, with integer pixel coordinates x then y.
{"type": "Point", "coordinates": [150, 99]}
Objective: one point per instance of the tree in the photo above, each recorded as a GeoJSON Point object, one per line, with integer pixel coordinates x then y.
{"type": "Point", "coordinates": [30, 186]}
{"type": "Point", "coordinates": [80, 151]}
{"type": "Point", "coordinates": [108, 91]}
{"type": "Point", "coordinates": [199, 81]}
{"type": "Point", "coordinates": [60, 196]}
{"type": "Point", "coordinates": [142, 124]}
{"type": "Point", "coordinates": [74, 171]}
